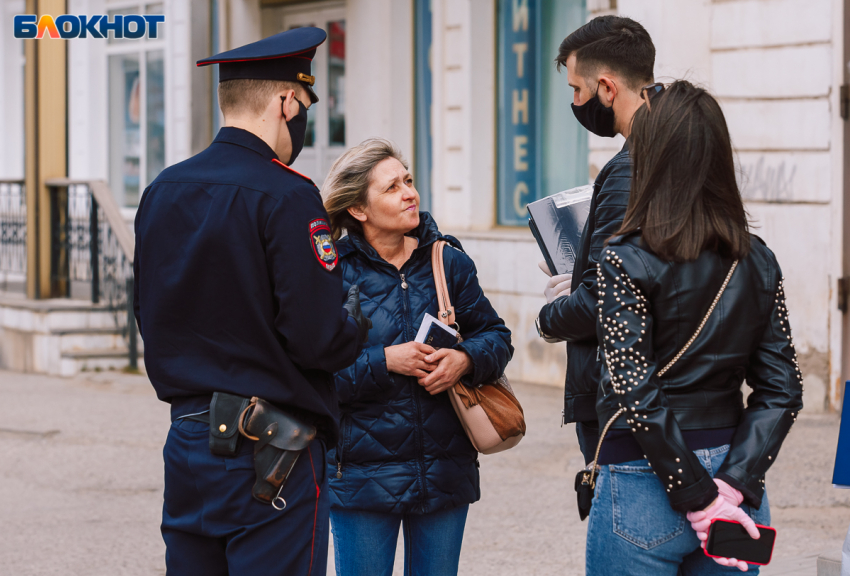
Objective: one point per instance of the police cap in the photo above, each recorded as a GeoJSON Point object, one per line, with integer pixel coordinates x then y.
{"type": "Point", "coordinates": [286, 56]}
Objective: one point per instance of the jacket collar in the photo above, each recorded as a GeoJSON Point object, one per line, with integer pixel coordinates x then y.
{"type": "Point", "coordinates": [245, 139]}
{"type": "Point", "coordinates": [427, 233]}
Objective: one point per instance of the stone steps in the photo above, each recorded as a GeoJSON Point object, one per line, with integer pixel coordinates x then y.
{"type": "Point", "coordinates": [90, 339]}
{"type": "Point", "coordinates": [61, 336]}
{"type": "Point", "coordinates": [95, 360]}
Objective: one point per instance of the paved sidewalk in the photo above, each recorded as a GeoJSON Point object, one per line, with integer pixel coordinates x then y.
{"type": "Point", "coordinates": [81, 486]}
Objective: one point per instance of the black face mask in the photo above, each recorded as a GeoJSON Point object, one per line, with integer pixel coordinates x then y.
{"type": "Point", "coordinates": [595, 117]}
{"type": "Point", "coordinates": [297, 129]}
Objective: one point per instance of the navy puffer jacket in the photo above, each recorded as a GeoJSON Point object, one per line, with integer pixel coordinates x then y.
{"type": "Point", "coordinates": [400, 449]}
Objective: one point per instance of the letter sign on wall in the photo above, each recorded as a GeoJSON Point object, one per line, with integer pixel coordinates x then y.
{"type": "Point", "coordinates": [518, 99]}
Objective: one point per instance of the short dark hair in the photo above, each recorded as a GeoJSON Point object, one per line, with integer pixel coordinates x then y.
{"type": "Point", "coordinates": [684, 197]}
{"type": "Point", "coordinates": [614, 42]}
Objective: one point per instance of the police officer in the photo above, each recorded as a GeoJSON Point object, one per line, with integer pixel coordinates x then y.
{"type": "Point", "coordinates": [238, 291]}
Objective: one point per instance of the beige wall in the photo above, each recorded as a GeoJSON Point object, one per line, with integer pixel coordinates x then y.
{"type": "Point", "coordinates": [379, 72]}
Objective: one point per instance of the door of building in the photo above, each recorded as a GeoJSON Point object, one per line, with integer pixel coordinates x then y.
{"type": "Point", "coordinates": [325, 140]}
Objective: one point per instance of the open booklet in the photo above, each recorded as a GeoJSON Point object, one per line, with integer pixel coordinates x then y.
{"type": "Point", "coordinates": [436, 334]}
{"type": "Point", "coordinates": [557, 222]}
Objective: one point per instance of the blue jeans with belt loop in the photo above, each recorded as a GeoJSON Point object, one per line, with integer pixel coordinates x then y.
{"type": "Point", "coordinates": [633, 530]}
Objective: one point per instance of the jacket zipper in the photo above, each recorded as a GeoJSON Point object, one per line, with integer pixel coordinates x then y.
{"type": "Point", "coordinates": [340, 450]}
{"type": "Point", "coordinates": [408, 332]}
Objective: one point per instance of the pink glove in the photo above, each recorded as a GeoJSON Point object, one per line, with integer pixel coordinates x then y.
{"type": "Point", "coordinates": [726, 507]}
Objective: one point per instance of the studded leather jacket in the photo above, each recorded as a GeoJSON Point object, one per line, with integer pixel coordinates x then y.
{"type": "Point", "coordinates": [648, 310]}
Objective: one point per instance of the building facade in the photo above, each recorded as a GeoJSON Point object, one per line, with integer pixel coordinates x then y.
{"type": "Point", "coordinates": [469, 91]}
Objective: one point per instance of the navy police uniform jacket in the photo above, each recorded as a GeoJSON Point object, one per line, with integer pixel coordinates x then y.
{"type": "Point", "coordinates": [402, 450]}
{"type": "Point", "coordinates": [237, 284]}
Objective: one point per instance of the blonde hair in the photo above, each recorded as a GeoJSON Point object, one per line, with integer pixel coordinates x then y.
{"type": "Point", "coordinates": [246, 95]}
{"type": "Point", "coordinates": [347, 184]}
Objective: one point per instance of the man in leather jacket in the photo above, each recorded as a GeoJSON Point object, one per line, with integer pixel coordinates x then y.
{"type": "Point", "coordinates": [609, 61]}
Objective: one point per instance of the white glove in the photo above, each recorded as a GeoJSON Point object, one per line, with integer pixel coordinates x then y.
{"type": "Point", "coordinates": [558, 286]}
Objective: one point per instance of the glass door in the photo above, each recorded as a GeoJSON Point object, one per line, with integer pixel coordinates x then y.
{"type": "Point", "coordinates": [325, 140]}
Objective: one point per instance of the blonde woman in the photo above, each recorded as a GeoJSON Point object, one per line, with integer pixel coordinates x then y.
{"type": "Point", "coordinates": [402, 459]}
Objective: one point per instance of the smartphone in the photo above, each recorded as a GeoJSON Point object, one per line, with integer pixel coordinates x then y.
{"type": "Point", "coordinates": [727, 539]}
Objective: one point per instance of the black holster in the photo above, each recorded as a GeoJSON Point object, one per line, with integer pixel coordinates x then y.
{"type": "Point", "coordinates": [225, 410]}
{"type": "Point", "coordinates": [280, 437]}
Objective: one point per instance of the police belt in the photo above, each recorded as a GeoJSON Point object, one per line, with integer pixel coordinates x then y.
{"type": "Point", "coordinates": [279, 435]}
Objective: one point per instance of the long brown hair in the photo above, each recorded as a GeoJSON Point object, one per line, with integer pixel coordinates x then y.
{"type": "Point", "coordinates": [684, 197]}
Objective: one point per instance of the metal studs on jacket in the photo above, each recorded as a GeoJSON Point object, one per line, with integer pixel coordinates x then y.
{"type": "Point", "coordinates": [644, 304]}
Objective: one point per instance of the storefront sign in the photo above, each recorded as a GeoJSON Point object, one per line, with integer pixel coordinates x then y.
{"type": "Point", "coordinates": [518, 107]}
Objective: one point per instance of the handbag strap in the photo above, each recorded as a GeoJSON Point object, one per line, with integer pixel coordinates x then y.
{"type": "Point", "coordinates": [447, 311]}
{"type": "Point", "coordinates": [593, 467]}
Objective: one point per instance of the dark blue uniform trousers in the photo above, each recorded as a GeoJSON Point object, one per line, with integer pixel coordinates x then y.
{"type": "Point", "coordinates": [212, 526]}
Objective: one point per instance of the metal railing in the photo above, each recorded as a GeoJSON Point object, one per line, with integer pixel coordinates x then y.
{"type": "Point", "coordinates": [91, 251]}
{"type": "Point", "coordinates": [13, 236]}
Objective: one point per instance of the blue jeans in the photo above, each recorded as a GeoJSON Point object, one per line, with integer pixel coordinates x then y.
{"type": "Point", "coordinates": [633, 530]}
{"type": "Point", "coordinates": [365, 542]}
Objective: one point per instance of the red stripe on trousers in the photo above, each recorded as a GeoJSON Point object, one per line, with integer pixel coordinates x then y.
{"type": "Point", "coordinates": [315, 514]}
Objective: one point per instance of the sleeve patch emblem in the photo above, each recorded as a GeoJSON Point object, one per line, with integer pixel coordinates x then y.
{"type": "Point", "coordinates": [323, 246]}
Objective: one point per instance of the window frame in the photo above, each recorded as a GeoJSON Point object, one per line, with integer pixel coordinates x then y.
{"type": "Point", "coordinates": [139, 47]}
{"type": "Point", "coordinates": [552, 123]}
{"type": "Point", "coordinates": [318, 14]}
{"type": "Point", "coordinates": [423, 101]}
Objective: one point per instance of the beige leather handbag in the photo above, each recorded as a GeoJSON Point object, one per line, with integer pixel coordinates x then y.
{"type": "Point", "coordinates": [490, 413]}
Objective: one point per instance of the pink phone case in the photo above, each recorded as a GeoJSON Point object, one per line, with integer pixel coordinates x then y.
{"type": "Point", "coordinates": [757, 526]}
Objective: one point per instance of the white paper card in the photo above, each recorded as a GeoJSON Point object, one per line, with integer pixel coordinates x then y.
{"type": "Point", "coordinates": [427, 321]}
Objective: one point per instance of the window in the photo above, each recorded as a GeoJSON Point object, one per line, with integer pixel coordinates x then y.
{"type": "Point", "coordinates": [336, 83]}
{"type": "Point", "coordinates": [136, 82]}
{"type": "Point", "coordinates": [542, 149]}
{"type": "Point", "coordinates": [423, 143]}
{"type": "Point", "coordinates": [325, 139]}
{"type": "Point", "coordinates": [12, 95]}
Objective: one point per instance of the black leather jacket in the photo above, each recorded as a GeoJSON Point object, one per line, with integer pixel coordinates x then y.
{"type": "Point", "coordinates": [648, 310]}
{"type": "Point", "coordinates": [573, 318]}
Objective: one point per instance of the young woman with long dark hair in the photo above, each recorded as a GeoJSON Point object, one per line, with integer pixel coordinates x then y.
{"type": "Point", "coordinates": [690, 306]}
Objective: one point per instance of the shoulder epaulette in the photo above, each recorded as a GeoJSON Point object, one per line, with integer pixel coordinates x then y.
{"type": "Point", "coordinates": [296, 172]}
